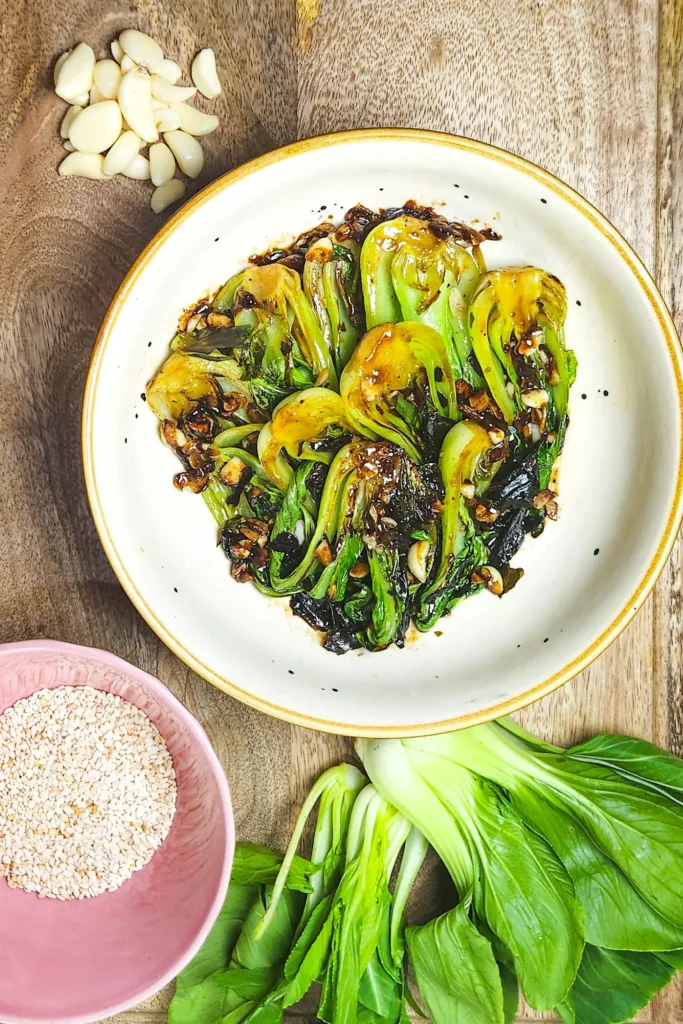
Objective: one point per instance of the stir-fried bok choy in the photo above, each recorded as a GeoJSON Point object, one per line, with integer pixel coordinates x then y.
{"type": "Point", "coordinates": [372, 418]}
{"type": "Point", "coordinates": [568, 874]}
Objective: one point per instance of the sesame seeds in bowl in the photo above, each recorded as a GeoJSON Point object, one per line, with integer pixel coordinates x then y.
{"type": "Point", "coordinates": [71, 960]}
{"type": "Point", "coordinates": [87, 792]}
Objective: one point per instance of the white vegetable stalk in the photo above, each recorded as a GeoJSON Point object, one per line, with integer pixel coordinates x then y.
{"type": "Point", "coordinates": [392, 773]}
{"type": "Point", "coordinates": [343, 781]}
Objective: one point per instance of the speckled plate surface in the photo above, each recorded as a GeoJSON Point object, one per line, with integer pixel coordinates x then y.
{"type": "Point", "coordinates": [620, 478]}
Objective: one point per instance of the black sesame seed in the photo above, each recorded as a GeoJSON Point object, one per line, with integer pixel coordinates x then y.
{"type": "Point", "coordinates": [584, 396]}
{"type": "Point", "coordinates": [597, 551]}
{"type": "Point", "coordinates": [323, 207]}
{"type": "Point", "coordinates": [291, 671]}
{"type": "Point", "coordinates": [465, 197]}
{"type": "Point", "coordinates": [335, 690]}
{"type": "Point", "coordinates": [125, 440]}
{"type": "Point", "coordinates": [175, 590]}
{"type": "Point", "coordinates": [136, 415]}
{"type": "Point", "coordinates": [456, 186]}
{"type": "Point", "coordinates": [605, 393]}
{"type": "Point", "coordinates": [216, 239]}
{"type": "Point", "coordinates": [578, 303]}
{"type": "Point", "coordinates": [143, 396]}
{"type": "Point", "coordinates": [546, 640]}
{"type": "Point", "coordinates": [544, 200]}
{"type": "Point", "coordinates": [149, 344]}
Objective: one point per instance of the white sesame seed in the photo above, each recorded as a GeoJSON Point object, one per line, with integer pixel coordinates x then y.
{"type": "Point", "coordinates": [87, 792]}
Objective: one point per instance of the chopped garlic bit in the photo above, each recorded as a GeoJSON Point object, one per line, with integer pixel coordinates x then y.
{"type": "Point", "coordinates": [204, 74]}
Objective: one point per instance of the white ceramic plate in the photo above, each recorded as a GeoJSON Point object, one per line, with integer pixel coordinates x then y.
{"type": "Point", "coordinates": [620, 480]}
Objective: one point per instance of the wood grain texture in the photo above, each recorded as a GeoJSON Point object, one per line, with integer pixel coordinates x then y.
{"type": "Point", "coordinates": [590, 89]}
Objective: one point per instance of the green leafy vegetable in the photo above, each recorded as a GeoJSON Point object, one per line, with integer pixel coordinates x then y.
{"type": "Point", "coordinates": [456, 970]}
{"type": "Point", "coordinates": [613, 986]}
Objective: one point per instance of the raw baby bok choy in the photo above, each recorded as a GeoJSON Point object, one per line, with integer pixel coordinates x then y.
{"type": "Point", "coordinates": [415, 270]}
{"type": "Point", "coordinates": [568, 867]}
{"type": "Point", "coordinates": [607, 816]}
{"type": "Point", "coordinates": [272, 943]}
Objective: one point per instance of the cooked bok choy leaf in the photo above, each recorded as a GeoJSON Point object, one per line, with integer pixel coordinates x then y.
{"type": "Point", "coordinates": [398, 379]}
{"type": "Point", "coordinates": [355, 561]}
{"type": "Point", "coordinates": [284, 349]}
{"type": "Point", "coordinates": [459, 551]}
{"type": "Point", "coordinates": [332, 286]}
{"type": "Point", "coordinates": [298, 420]}
{"type": "Point", "coordinates": [516, 322]}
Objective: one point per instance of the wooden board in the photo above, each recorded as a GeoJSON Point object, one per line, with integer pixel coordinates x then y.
{"type": "Point", "coordinates": [590, 89]}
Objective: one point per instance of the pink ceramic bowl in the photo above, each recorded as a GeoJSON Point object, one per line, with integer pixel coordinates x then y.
{"type": "Point", "coordinates": [83, 960]}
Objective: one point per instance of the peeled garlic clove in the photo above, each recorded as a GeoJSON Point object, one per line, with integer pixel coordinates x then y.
{"type": "Point", "coordinates": [69, 146]}
{"type": "Point", "coordinates": [96, 128]}
{"type": "Point", "coordinates": [107, 75]}
{"type": "Point", "coordinates": [116, 51]}
{"type": "Point", "coordinates": [169, 70]}
{"type": "Point", "coordinates": [71, 114]}
{"type": "Point", "coordinates": [95, 95]}
{"type": "Point", "coordinates": [58, 66]}
{"type": "Point", "coordinates": [187, 151]}
{"type": "Point", "coordinates": [165, 195]}
{"type": "Point", "coordinates": [127, 63]}
{"type": "Point", "coordinates": [161, 163]}
{"type": "Point", "coordinates": [138, 168]}
{"type": "Point", "coordinates": [204, 74]}
{"type": "Point", "coordinates": [418, 557]}
{"type": "Point", "coordinates": [135, 100]}
{"type": "Point", "coordinates": [75, 74]}
{"type": "Point", "coordinates": [167, 93]}
{"type": "Point", "coordinates": [122, 153]}
{"type": "Point", "coordinates": [166, 120]}
{"type": "Point", "coordinates": [141, 48]}
{"type": "Point", "coordinates": [193, 121]}
{"type": "Point", "coordinates": [83, 165]}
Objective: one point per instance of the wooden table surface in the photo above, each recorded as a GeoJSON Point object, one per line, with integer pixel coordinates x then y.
{"type": "Point", "coordinates": [590, 89]}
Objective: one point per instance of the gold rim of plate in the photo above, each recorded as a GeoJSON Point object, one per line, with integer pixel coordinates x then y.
{"type": "Point", "coordinates": [461, 144]}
